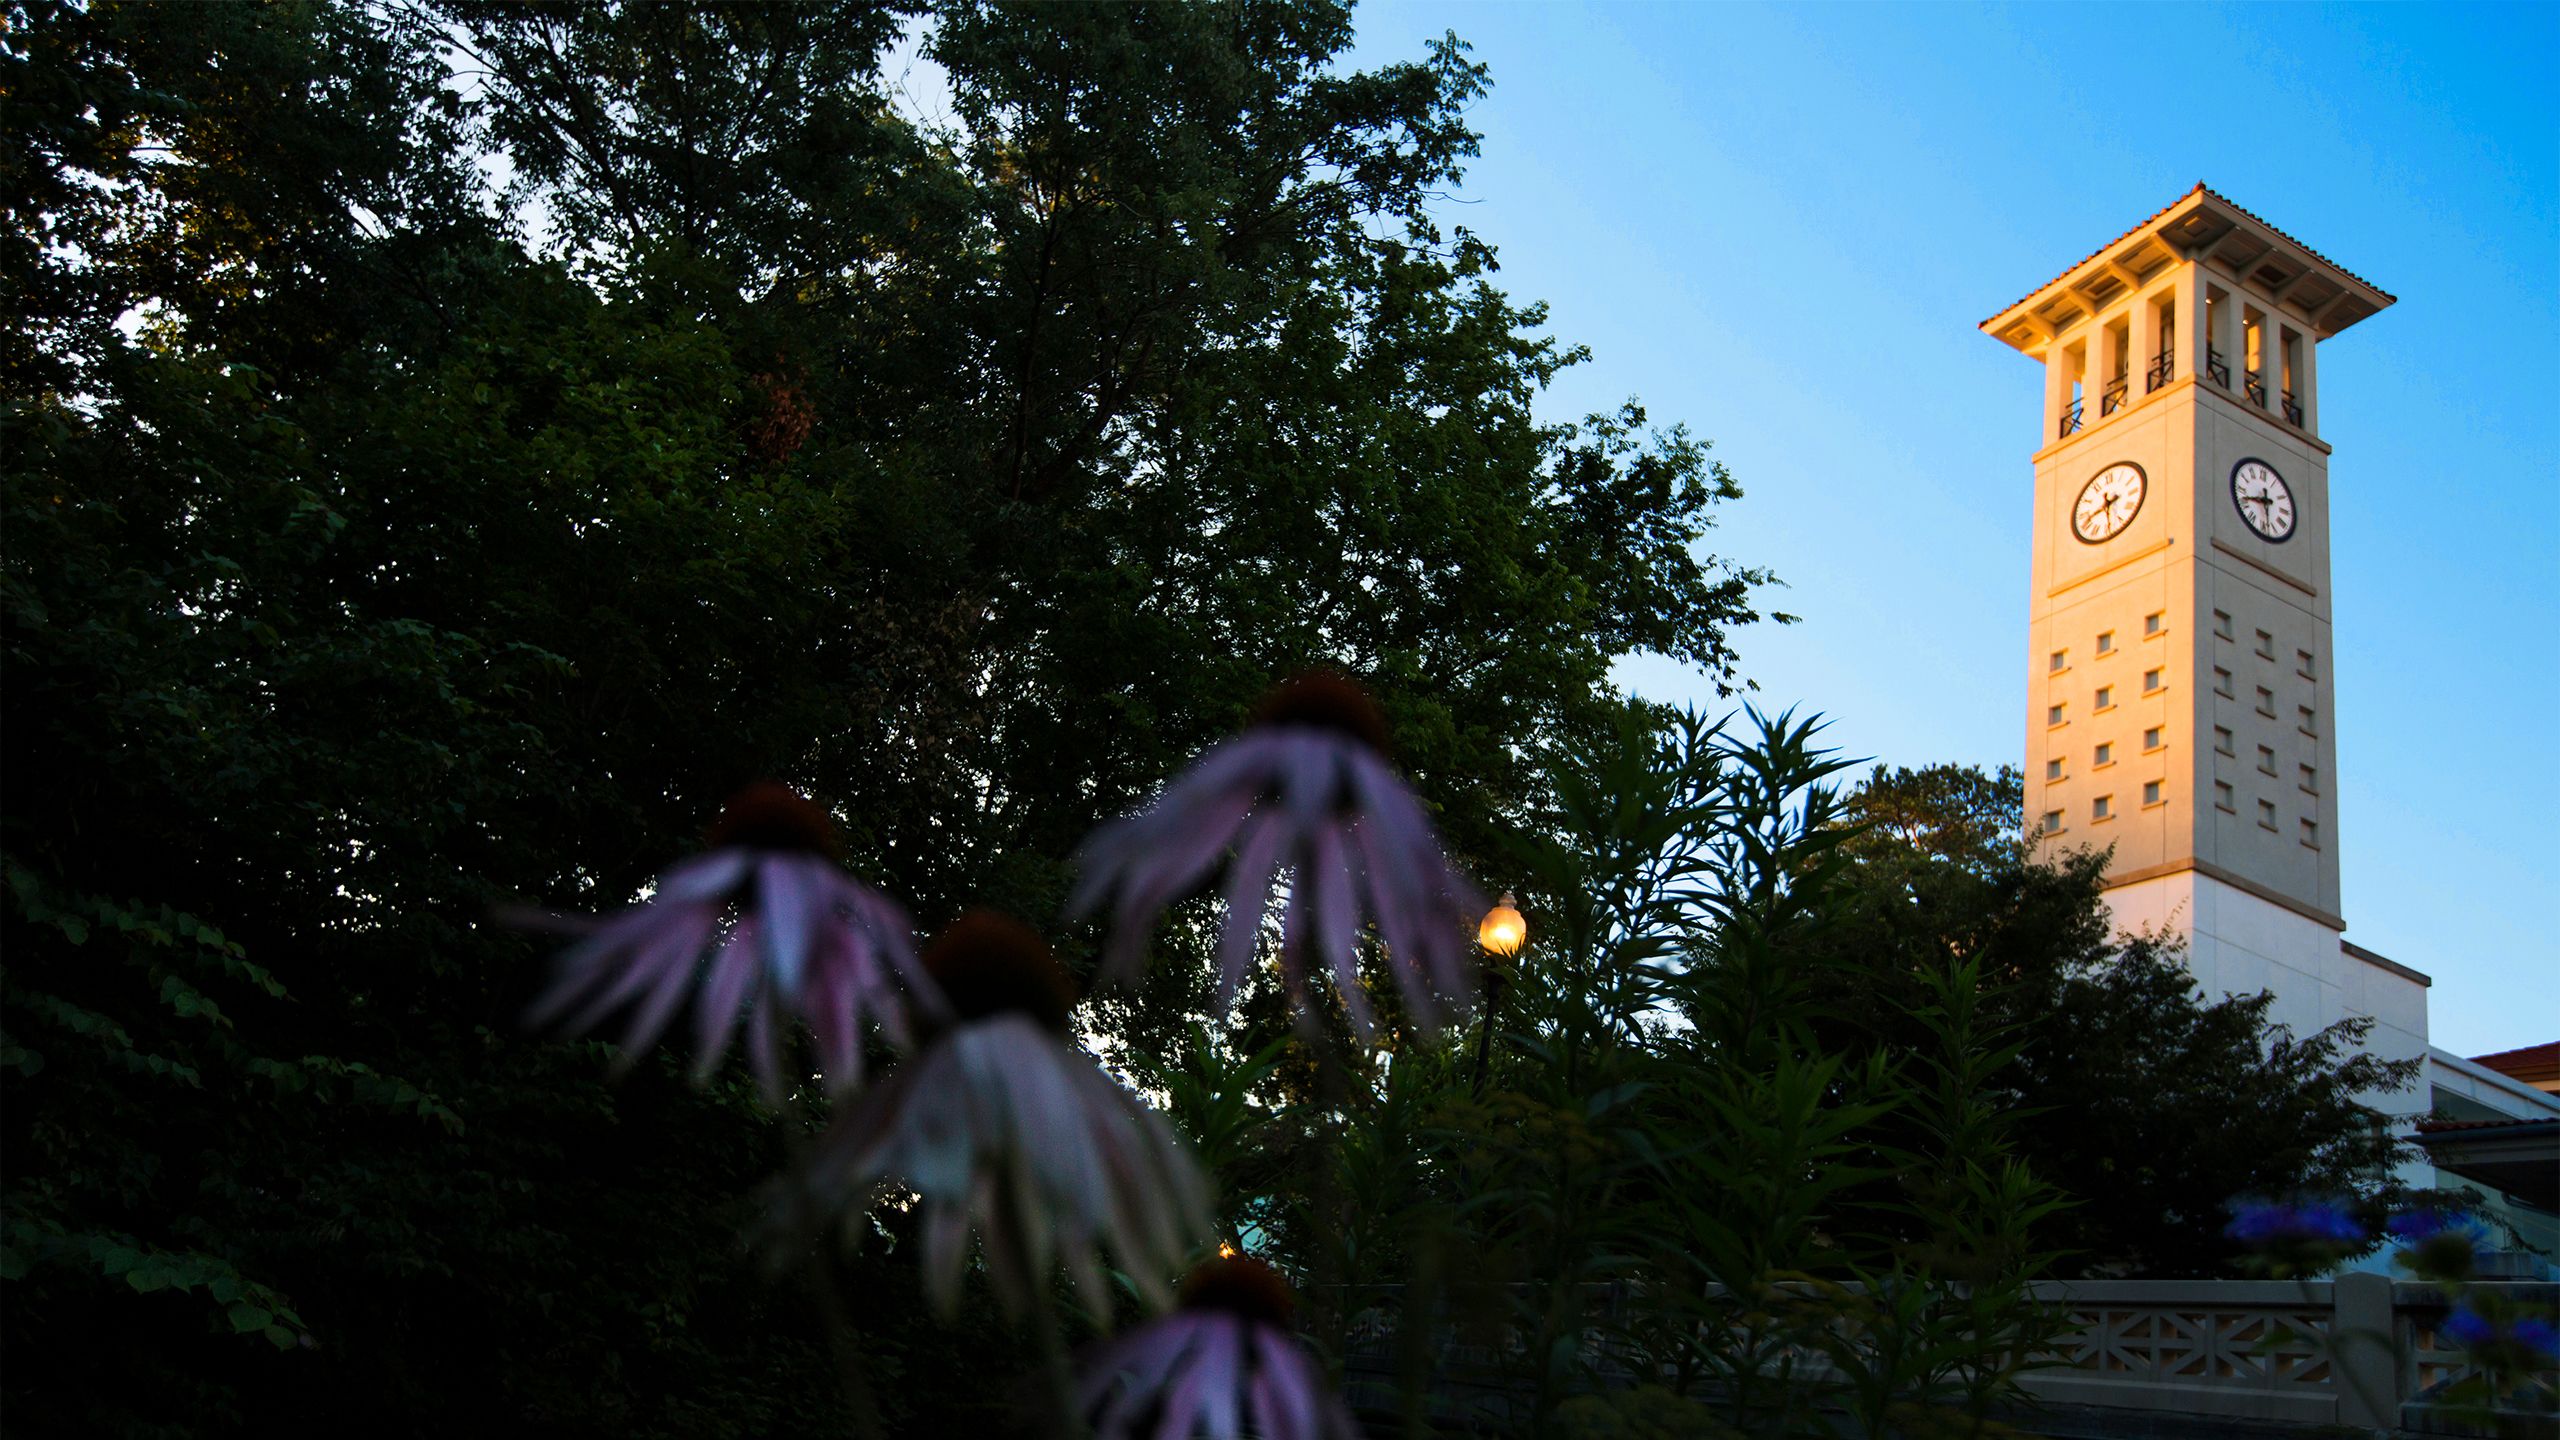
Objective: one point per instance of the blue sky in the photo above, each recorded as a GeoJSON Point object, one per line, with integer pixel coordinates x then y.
{"type": "Point", "coordinates": [1782, 225]}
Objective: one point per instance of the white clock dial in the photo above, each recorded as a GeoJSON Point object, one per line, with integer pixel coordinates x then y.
{"type": "Point", "coordinates": [2108, 502]}
{"type": "Point", "coordinates": [2266, 503]}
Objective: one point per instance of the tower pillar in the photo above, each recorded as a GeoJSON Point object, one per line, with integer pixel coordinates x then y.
{"type": "Point", "coordinates": [2230, 340]}
{"type": "Point", "coordinates": [2307, 380]}
{"type": "Point", "coordinates": [2189, 322]}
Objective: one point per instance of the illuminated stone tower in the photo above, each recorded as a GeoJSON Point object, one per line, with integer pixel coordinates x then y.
{"type": "Point", "coordinates": [2179, 662]}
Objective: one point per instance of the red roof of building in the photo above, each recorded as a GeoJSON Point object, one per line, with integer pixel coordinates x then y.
{"type": "Point", "coordinates": [2433, 1126]}
{"type": "Point", "coordinates": [2530, 1064]}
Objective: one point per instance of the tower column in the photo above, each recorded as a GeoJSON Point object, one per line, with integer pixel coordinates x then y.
{"type": "Point", "coordinates": [2057, 388]}
{"type": "Point", "coordinates": [2188, 321]}
{"type": "Point", "coordinates": [2231, 340]}
{"type": "Point", "coordinates": [2093, 370]}
{"type": "Point", "coordinates": [2306, 387]}
{"type": "Point", "coordinates": [2144, 337]}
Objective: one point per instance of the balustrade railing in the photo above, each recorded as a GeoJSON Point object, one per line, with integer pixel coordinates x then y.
{"type": "Point", "coordinates": [2111, 399]}
{"type": "Point", "coordinates": [2256, 383]}
{"type": "Point", "coordinates": [2217, 367]}
{"type": "Point", "coordinates": [2195, 1357]}
{"type": "Point", "coordinates": [2292, 408]}
{"type": "Point", "coordinates": [2158, 374]}
{"type": "Point", "coordinates": [2070, 419]}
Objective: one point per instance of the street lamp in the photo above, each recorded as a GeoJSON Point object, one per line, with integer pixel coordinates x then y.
{"type": "Point", "coordinates": [1504, 931]}
{"type": "Point", "coordinates": [1501, 935]}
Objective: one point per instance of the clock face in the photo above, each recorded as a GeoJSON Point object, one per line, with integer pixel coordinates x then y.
{"type": "Point", "coordinates": [2108, 503]}
{"type": "Point", "coordinates": [2266, 504]}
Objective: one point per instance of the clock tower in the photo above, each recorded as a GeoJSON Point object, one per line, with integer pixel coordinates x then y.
{"type": "Point", "coordinates": [2180, 692]}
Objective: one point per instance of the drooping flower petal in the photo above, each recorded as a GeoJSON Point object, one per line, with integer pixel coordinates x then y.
{"type": "Point", "coordinates": [755, 938]}
{"type": "Point", "coordinates": [1223, 1367]}
{"type": "Point", "coordinates": [999, 1126]}
{"type": "Point", "coordinates": [1314, 804]}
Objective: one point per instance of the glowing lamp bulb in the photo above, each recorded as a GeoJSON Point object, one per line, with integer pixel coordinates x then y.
{"type": "Point", "coordinates": [1503, 931]}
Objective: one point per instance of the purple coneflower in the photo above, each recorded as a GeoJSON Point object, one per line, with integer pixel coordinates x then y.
{"type": "Point", "coordinates": [1000, 1122]}
{"type": "Point", "coordinates": [762, 925]}
{"type": "Point", "coordinates": [1305, 788]}
{"type": "Point", "coordinates": [1223, 1366]}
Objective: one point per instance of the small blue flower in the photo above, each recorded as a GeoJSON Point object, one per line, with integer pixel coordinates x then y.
{"type": "Point", "coordinates": [2469, 1328]}
{"type": "Point", "coordinates": [2262, 1222]}
{"type": "Point", "coordinates": [2417, 1227]}
{"type": "Point", "coordinates": [2524, 1342]}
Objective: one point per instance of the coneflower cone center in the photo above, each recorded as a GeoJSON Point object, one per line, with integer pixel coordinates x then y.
{"type": "Point", "coordinates": [990, 964]}
{"type": "Point", "coordinates": [769, 815]}
{"type": "Point", "coordinates": [1240, 1285]}
{"type": "Point", "coordinates": [1324, 701]}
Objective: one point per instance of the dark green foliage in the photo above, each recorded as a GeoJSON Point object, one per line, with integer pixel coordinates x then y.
{"type": "Point", "coordinates": [1791, 1098]}
{"type": "Point", "coordinates": [378, 553]}
{"type": "Point", "coordinates": [1663, 1165]}
{"type": "Point", "coordinates": [2151, 1105]}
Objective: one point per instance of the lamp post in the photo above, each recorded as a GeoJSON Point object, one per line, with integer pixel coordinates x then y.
{"type": "Point", "coordinates": [1502, 933]}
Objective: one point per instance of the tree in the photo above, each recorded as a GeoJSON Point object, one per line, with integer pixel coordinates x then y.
{"type": "Point", "coordinates": [2148, 1102]}
{"type": "Point", "coordinates": [384, 546]}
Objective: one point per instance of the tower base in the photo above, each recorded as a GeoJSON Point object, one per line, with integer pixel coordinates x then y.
{"type": "Point", "coordinates": [2238, 943]}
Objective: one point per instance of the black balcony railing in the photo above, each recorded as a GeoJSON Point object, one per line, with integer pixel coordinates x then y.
{"type": "Point", "coordinates": [2158, 374]}
{"type": "Point", "coordinates": [2292, 408]}
{"type": "Point", "coordinates": [2070, 419]}
{"type": "Point", "coordinates": [2217, 367]}
{"type": "Point", "coordinates": [2256, 384]}
{"type": "Point", "coordinates": [2111, 399]}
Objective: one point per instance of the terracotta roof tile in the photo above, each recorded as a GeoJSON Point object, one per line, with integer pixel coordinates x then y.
{"type": "Point", "coordinates": [2533, 1062]}
{"type": "Point", "coordinates": [2094, 254]}
{"type": "Point", "coordinates": [2438, 1127]}
{"type": "Point", "coordinates": [2296, 244]}
{"type": "Point", "coordinates": [2200, 189]}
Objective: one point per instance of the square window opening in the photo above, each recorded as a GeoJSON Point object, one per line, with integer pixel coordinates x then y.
{"type": "Point", "coordinates": [2150, 792]}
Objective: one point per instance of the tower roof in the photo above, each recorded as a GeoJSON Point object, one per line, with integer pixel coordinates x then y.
{"type": "Point", "coordinates": [2199, 225]}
